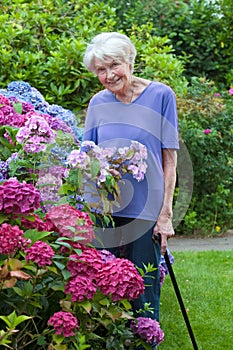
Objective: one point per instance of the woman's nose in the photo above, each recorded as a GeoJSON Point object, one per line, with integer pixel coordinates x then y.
{"type": "Point", "coordinates": [109, 73]}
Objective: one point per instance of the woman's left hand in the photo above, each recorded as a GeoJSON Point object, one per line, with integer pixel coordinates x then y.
{"type": "Point", "coordinates": [165, 229]}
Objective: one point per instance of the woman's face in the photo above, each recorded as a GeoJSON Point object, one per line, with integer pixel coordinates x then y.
{"type": "Point", "coordinates": [114, 75]}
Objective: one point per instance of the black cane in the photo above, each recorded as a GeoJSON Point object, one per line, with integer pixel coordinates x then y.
{"type": "Point", "coordinates": [178, 295]}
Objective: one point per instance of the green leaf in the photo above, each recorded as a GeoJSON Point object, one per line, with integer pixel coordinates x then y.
{"type": "Point", "coordinates": [59, 265]}
{"type": "Point", "coordinates": [104, 301]}
{"type": "Point", "coordinates": [57, 285]}
{"type": "Point", "coordinates": [18, 107]}
{"type": "Point", "coordinates": [34, 235]}
{"type": "Point", "coordinates": [87, 305]}
{"type": "Point", "coordinates": [3, 217]}
{"type": "Point", "coordinates": [126, 304]}
{"type": "Point", "coordinates": [19, 291]}
{"type": "Point", "coordinates": [95, 167]}
{"type": "Point", "coordinates": [13, 320]}
{"type": "Point", "coordinates": [65, 274]}
{"type": "Point", "coordinates": [41, 340]}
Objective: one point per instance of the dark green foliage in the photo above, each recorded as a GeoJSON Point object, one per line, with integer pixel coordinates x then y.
{"type": "Point", "coordinates": [200, 31]}
{"type": "Point", "coordinates": [204, 109]}
{"type": "Point", "coordinates": [43, 42]}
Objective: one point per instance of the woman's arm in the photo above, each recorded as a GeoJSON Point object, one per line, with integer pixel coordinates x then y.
{"type": "Point", "coordinates": [164, 223]}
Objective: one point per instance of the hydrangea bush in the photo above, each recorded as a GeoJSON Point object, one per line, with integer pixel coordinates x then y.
{"type": "Point", "coordinates": [54, 284]}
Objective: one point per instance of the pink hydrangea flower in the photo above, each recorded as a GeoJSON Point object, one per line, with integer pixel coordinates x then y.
{"type": "Point", "coordinates": [8, 116]}
{"type": "Point", "coordinates": [11, 238]}
{"type": "Point", "coordinates": [35, 222]}
{"type": "Point", "coordinates": [120, 279]}
{"type": "Point", "coordinates": [80, 288]}
{"type": "Point", "coordinates": [148, 329]}
{"type": "Point", "coordinates": [18, 198]}
{"type": "Point", "coordinates": [207, 131]}
{"type": "Point", "coordinates": [64, 216]}
{"type": "Point", "coordinates": [4, 100]}
{"type": "Point", "coordinates": [87, 264]}
{"type": "Point", "coordinates": [64, 323]}
{"type": "Point", "coordinates": [230, 91]}
{"type": "Point", "coordinates": [40, 253]}
{"type": "Point", "coordinates": [35, 134]}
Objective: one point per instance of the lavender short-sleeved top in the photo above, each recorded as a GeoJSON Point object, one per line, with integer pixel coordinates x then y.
{"type": "Point", "coordinates": [151, 119]}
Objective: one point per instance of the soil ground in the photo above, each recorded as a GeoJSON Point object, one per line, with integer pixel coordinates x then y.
{"type": "Point", "coordinates": [180, 243]}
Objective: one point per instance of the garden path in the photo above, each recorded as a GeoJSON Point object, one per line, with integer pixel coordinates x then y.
{"type": "Point", "coordinates": [180, 243]}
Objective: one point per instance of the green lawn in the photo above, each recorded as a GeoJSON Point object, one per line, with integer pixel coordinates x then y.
{"type": "Point", "coordinates": [205, 280]}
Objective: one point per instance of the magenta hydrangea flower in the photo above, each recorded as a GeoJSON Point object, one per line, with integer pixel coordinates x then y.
{"type": "Point", "coordinates": [64, 216]}
{"type": "Point", "coordinates": [18, 198]}
{"type": "Point", "coordinates": [80, 288]}
{"type": "Point", "coordinates": [148, 329]}
{"type": "Point", "coordinates": [231, 91]}
{"type": "Point", "coordinates": [4, 100]}
{"type": "Point", "coordinates": [120, 279]}
{"type": "Point", "coordinates": [35, 222]}
{"type": "Point", "coordinates": [64, 323]}
{"type": "Point", "coordinates": [40, 253]}
{"type": "Point", "coordinates": [87, 264]}
{"type": "Point", "coordinates": [8, 115]}
{"type": "Point", "coordinates": [207, 131]}
{"type": "Point", "coordinates": [11, 238]}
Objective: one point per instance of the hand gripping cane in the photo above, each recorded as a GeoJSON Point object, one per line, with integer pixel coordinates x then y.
{"type": "Point", "coordinates": [178, 295]}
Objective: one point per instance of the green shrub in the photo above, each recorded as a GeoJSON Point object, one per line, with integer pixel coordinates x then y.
{"type": "Point", "coordinates": [200, 31]}
{"type": "Point", "coordinates": [206, 127]}
{"type": "Point", "coordinates": [43, 42]}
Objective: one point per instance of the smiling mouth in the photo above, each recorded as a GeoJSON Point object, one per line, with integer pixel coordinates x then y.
{"type": "Point", "coordinates": [113, 82]}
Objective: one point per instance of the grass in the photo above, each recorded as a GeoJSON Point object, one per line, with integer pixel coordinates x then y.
{"type": "Point", "coordinates": [205, 280]}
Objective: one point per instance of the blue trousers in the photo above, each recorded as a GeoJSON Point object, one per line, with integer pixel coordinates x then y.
{"type": "Point", "coordinates": [132, 239]}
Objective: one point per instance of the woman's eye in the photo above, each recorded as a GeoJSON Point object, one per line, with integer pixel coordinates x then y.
{"type": "Point", "coordinates": [100, 70]}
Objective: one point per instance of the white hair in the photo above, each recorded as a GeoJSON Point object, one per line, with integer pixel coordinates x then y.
{"type": "Point", "coordinates": [114, 45]}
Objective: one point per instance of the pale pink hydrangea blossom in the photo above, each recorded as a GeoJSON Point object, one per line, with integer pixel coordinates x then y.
{"type": "Point", "coordinates": [36, 134]}
{"type": "Point", "coordinates": [62, 217]}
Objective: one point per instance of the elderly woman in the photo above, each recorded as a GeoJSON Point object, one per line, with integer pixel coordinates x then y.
{"type": "Point", "coordinates": [128, 109]}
